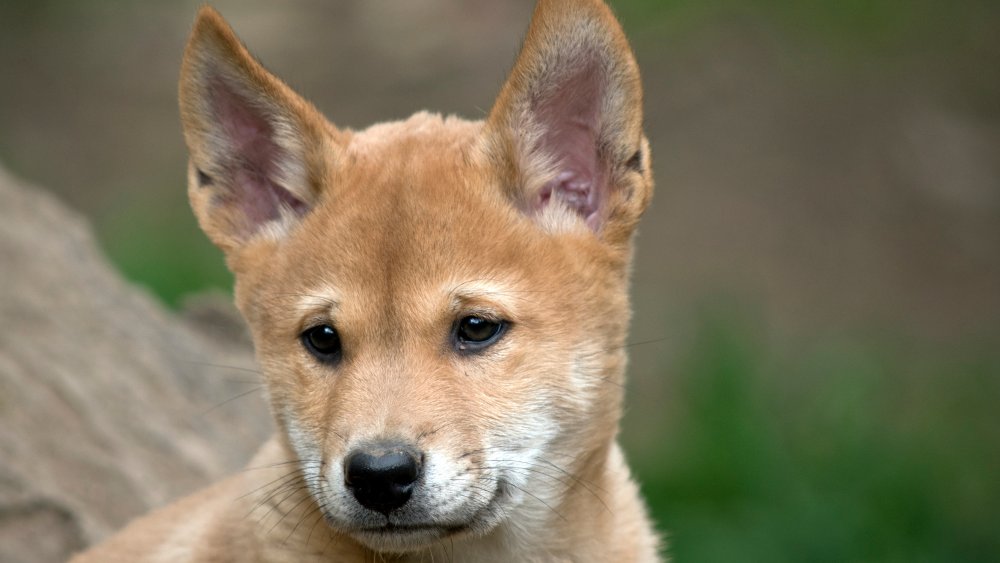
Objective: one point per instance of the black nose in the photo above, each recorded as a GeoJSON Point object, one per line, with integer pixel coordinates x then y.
{"type": "Point", "coordinates": [382, 478]}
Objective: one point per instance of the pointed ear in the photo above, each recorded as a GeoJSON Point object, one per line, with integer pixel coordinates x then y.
{"type": "Point", "coordinates": [258, 151]}
{"type": "Point", "coordinates": [567, 125]}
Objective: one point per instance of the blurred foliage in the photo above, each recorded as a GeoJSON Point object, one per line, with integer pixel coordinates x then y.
{"type": "Point", "coordinates": [836, 452]}
{"type": "Point", "coordinates": [166, 252]}
{"type": "Point", "coordinates": [863, 27]}
{"type": "Point", "coordinates": [841, 449]}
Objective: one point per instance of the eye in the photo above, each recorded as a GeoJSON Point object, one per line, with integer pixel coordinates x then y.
{"type": "Point", "coordinates": [323, 342]}
{"type": "Point", "coordinates": [475, 333]}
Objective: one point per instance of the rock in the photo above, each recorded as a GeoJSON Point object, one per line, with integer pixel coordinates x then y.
{"type": "Point", "coordinates": [110, 405]}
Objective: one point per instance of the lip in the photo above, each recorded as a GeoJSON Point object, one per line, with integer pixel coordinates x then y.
{"type": "Point", "coordinates": [439, 530]}
{"type": "Point", "coordinates": [403, 530]}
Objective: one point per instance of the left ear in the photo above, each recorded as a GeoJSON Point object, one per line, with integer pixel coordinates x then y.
{"type": "Point", "coordinates": [568, 122]}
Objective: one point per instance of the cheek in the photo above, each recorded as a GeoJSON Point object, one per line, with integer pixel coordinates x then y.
{"type": "Point", "coordinates": [302, 398]}
{"type": "Point", "coordinates": [548, 386]}
{"type": "Point", "coordinates": [516, 399]}
{"type": "Point", "coordinates": [536, 369]}
{"type": "Point", "coordinates": [315, 419]}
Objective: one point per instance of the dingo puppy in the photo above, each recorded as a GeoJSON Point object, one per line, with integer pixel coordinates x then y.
{"type": "Point", "coordinates": [439, 309]}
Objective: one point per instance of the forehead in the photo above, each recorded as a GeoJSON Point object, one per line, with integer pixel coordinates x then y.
{"type": "Point", "coordinates": [413, 209]}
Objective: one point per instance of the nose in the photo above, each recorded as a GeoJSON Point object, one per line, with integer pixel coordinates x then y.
{"type": "Point", "coordinates": [382, 478]}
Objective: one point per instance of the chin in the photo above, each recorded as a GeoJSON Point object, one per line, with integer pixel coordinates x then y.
{"type": "Point", "coordinates": [405, 539]}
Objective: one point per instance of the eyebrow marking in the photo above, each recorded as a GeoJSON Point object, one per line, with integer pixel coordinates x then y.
{"type": "Point", "coordinates": [478, 288]}
{"type": "Point", "coordinates": [487, 294]}
{"type": "Point", "coordinates": [325, 298]}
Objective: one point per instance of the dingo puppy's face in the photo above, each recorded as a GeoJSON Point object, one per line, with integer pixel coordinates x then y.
{"type": "Point", "coordinates": [439, 306]}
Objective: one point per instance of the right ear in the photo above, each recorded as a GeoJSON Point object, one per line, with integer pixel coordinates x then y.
{"type": "Point", "coordinates": [258, 150]}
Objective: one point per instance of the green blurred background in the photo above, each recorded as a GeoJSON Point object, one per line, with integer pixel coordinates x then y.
{"type": "Point", "coordinates": [816, 347]}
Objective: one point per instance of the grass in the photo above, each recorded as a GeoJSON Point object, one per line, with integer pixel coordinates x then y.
{"type": "Point", "coordinates": [838, 452]}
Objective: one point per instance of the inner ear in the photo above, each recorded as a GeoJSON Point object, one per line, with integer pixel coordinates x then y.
{"type": "Point", "coordinates": [258, 150]}
{"type": "Point", "coordinates": [255, 162]}
{"type": "Point", "coordinates": [568, 122]}
{"type": "Point", "coordinates": [568, 116]}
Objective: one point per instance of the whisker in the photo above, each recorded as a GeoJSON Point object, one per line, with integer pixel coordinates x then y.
{"type": "Point", "coordinates": [231, 399]}
{"type": "Point", "coordinates": [224, 366]}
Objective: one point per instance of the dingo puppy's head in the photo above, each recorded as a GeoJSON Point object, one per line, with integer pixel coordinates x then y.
{"type": "Point", "coordinates": [439, 306]}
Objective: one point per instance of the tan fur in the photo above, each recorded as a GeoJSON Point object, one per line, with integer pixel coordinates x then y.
{"type": "Point", "coordinates": [411, 225]}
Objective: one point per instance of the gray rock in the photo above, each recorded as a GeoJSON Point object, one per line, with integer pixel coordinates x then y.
{"type": "Point", "coordinates": [110, 405]}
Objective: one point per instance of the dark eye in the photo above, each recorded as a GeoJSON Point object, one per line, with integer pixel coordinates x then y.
{"type": "Point", "coordinates": [476, 333]}
{"type": "Point", "coordinates": [323, 342]}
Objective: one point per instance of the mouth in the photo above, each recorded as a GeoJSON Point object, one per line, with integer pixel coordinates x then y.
{"type": "Point", "coordinates": [403, 537]}
{"type": "Point", "coordinates": [391, 528]}
{"type": "Point", "coordinates": [412, 531]}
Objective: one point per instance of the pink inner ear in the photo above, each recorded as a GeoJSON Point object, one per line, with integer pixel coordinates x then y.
{"type": "Point", "coordinates": [252, 164]}
{"type": "Point", "coordinates": [570, 117]}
